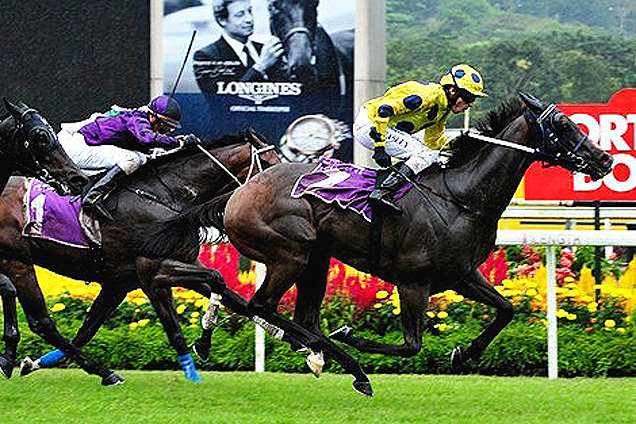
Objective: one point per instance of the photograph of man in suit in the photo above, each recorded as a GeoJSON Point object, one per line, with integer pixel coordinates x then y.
{"type": "Point", "coordinates": [233, 56]}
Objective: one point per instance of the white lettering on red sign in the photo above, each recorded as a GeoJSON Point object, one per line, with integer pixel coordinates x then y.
{"type": "Point", "coordinates": [609, 132]}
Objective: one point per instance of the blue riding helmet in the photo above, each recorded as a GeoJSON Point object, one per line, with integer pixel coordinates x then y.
{"type": "Point", "coordinates": [167, 109]}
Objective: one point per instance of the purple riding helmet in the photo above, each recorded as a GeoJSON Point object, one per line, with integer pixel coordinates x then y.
{"type": "Point", "coordinates": [167, 109]}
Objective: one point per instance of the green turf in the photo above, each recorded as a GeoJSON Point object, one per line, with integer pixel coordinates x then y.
{"type": "Point", "coordinates": [70, 396]}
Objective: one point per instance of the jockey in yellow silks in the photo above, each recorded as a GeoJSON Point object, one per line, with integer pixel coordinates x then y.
{"type": "Point", "coordinates": [385, 124]}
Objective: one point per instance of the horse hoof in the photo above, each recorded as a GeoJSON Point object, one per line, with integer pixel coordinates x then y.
{"type": "Point", "coordinates": [363, 387]}
{"type": "Point", "coordinates": [6, 367]}
{"type": "Point", "coordinates": [201, 349]}
{"type": "Point", "coordinates": [458, 357]}
{"type": "Point", "coordinates": [342, 333]}
{"type": "Point", "coordinates": [112, 380]}
{"type": "Point", "coordinates": [316, 361]}
{"type": "Point", "coordinates": [27, 366]}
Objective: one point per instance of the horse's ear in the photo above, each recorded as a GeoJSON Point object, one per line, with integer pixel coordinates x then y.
{"type": "Point", "coordinates": [532, 102]}
{"type": "Point", "coordinates": [12, 108]}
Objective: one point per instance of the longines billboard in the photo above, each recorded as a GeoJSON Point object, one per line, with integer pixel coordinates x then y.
{"type": "Point", "coordinates": [258, 63]}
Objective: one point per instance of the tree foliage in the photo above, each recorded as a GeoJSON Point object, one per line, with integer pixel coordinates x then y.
{"type": "Point", "coordinates": [558, 50]}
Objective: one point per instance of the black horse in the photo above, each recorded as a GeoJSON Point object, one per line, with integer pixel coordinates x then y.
{"type": "Point", "coordinates": [322, 62]}
{"type": "Point", "coordinates": [29, 146]}
{"type": "Point", "coordinates": [160, 190]}
{"type": "Point", "coordinates": [447, 230]}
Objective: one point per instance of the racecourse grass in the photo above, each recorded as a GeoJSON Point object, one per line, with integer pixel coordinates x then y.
{"type": "Point", "coordinates": [162, 397]}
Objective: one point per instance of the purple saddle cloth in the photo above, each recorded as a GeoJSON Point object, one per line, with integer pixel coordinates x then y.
{"type": "Point", "coordinates": [345, 184]}
{"type": "Point", "coordinates": [53, 217]}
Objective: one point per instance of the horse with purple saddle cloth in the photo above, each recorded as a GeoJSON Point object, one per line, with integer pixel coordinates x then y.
{"type": "Point", "coordinates": [53, 217]}
{"type": "Point", "coordinates": [345, 184]}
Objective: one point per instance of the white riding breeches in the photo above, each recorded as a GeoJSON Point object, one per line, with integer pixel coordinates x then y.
{"type": "Point", "coordinates": [94, 159]}
{"type": "Point", "coordinates": [398, 144]}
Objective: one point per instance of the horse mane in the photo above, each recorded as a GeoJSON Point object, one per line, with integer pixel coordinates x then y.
{"type": "Point", "coordinates": [494, 123]}
{"type": "Point", "coordinates": [180, 236]}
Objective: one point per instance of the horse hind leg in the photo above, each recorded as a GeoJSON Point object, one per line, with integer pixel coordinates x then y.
{"type": "Point", "coordinates": [11, 335]}
{"type": "Point", "coordinates": [477, 288]}
{"type": "Point", "coordinates": [311, 287]}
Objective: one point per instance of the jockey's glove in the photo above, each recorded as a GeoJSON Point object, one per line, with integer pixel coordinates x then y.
{"type": "Point", "coordinates": [381, 157]}
{"type": "Point", "coordinates": [187, 140]}
{"type": "Point", "coordinates": [375, 136]}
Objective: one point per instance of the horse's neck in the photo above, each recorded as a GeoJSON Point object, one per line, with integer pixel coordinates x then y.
{"type": "Point", "coordinates": [488, 182]}
{"type": "Point", "coordinates": [190, 179]}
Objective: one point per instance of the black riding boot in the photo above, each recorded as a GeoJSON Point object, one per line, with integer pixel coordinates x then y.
{"type": "Point", "coordinates": [384, 193]}
{"type": "Point", "coordinates": [92, 202]}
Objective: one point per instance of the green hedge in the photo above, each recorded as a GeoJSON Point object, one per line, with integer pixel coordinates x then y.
{"type": "Point", "coordinates": [521, 349]}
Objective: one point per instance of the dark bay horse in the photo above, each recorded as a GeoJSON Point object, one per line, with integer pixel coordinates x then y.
{"type": "Point", "coordinates": [29, 145]}
{"type": "Point", "coordinates": [322, 62]}
{"type": "Point", "coordinates": [160, 190]}
{"type": "Point", "coordinates": [447, 230]}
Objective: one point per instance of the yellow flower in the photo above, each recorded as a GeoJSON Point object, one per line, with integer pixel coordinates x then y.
{"type": "Point", "coordinates": [620, 330]}
{"type": "Point", "coordinates": [610, 323]}
{"type": "Point", "coordinates": [562, 313]}
{"type": "Point", "coordinates": [382, 294]}
{"type": "Point", "coordinates": [58, 307]}
{"type": "Point", "coordinates": [571, 317]}
{"type": "Point", "coordinates": [195, 314]}
{"type": "Point", "coordinates": [193, 320]}
{"type": "Point", "coordinates": [143, 322]}
{"type": "Point", "coordinates": [592, 307]}
{"type": "Point", "coordinates": [442, 314]}
{"type": "Point", "coordinates": [181, 308]}
{"type": "Point", "coordinates": [377, 305]}
{"type": "Point", "coordinates": [133, 325]}
{"type": "Point", "coordinates": [568, 279]}
{"type": "Point", "coordinates": [531, 292]}
{"type": "Point", "coordinates": [442, 327]}
{"type": "Point", "coordinates": [430, 314]}
{"type": "Point", "coordinates": [397, 311]}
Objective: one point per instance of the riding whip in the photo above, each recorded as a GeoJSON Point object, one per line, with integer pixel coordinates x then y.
{"type": "Point", "coordinates": [185, 59]}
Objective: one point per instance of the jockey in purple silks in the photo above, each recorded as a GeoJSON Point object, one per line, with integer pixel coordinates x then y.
{"type": "Point", "coordinates": [119, 141]}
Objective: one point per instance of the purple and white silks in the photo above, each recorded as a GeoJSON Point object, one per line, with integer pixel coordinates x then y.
{"type": "Point", "coordinates": [345, 184]}
{"type": "Point", "coordinates": [51, 216]}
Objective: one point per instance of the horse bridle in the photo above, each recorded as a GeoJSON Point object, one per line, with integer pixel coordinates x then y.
{"type": "Point", "coordinates": [544, 126]}
{"type": "Point", "coordinates": [255, 161]}
{"type": "Point", "coordinates": [36, 169]}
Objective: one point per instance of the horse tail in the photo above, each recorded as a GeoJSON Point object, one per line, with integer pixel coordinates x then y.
{"type": "Point", "coordinates": [179, 236]}
{"type": "Point", "coordinates": [215, 211]}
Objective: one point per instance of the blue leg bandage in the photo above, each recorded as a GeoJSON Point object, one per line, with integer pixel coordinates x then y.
{"type": "Point", "coordinates": [190, 371]}
{"type": "Point", "coordinates": [51, 359]}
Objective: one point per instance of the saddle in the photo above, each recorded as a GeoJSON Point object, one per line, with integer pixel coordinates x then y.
{"type": "Point", "coordinates": [343, 184]}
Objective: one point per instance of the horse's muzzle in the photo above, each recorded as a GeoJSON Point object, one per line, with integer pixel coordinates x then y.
{"type": "Point", "coordinates": [603, 168]}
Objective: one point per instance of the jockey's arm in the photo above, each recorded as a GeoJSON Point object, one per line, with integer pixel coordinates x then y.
{"type": "Point", "coordinates": [147, 138]}
{"type": "Point", "coordinates": [409, 97]}
{"type": "Point", "coordinates": [434, 137]}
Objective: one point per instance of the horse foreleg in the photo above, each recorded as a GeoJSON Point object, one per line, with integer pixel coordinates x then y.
{"type": "Point", "coordinates": [413, 300]}
{"type": "Point", "coordinates": [477, 288]}
{"type": "Point", "coordinates": [34, 306]}
{"type": "Point", "coordinates": [11, 335]}
{"type": "Point", "coordinates": [162, 301]}
{"type": "Point", "coordinates": [104, 305]}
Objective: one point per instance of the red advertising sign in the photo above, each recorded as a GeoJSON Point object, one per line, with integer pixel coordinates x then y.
{"type": "Point", "coordinates": [613, 126]}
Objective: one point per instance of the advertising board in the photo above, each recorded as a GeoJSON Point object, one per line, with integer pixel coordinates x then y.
{"type": "Point", "coordinates": [613, 126]}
